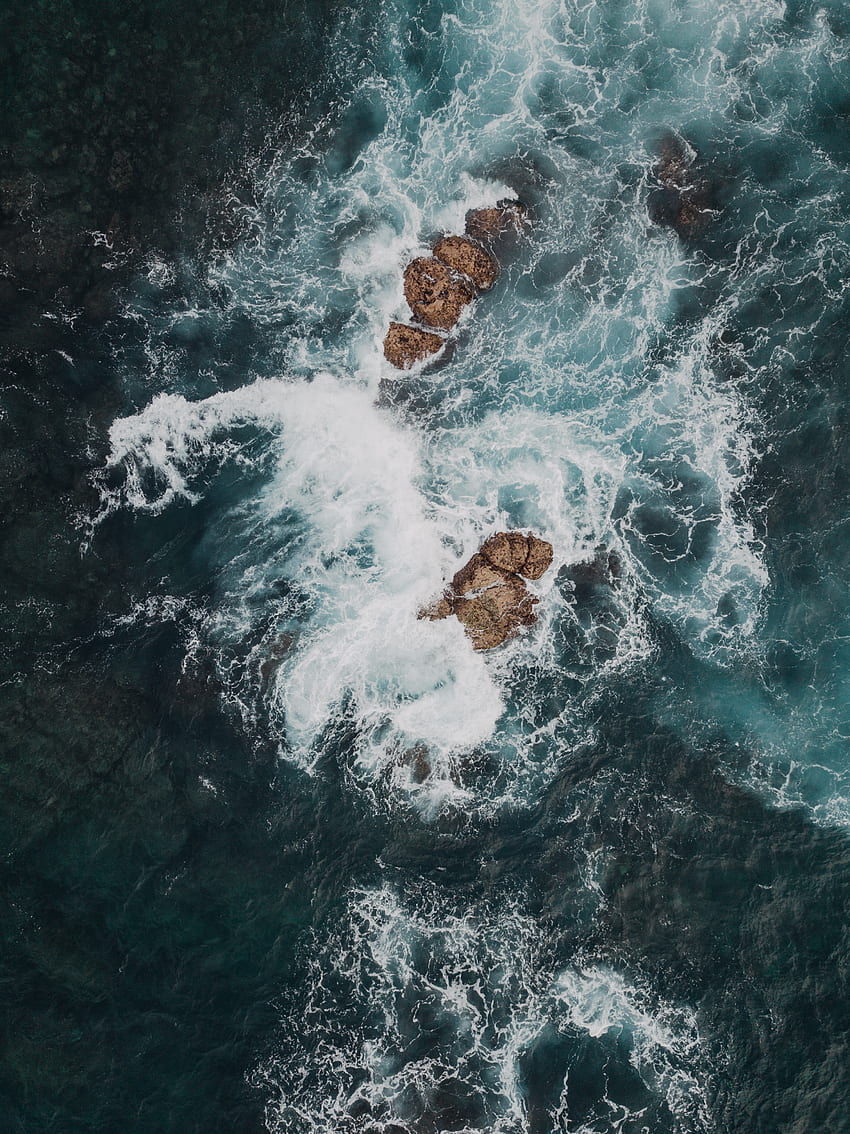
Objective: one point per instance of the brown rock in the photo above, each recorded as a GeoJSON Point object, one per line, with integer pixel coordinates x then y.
{"type": "Point", "coordinates": [512, 600]}
{"type": "Point", "coordinates": [488, 596]}
{"type": "Point", "coordinates": [506, 550]}
{"type": "Point", "coordinates": [470, 258]}
{"type": "Point", "coordinates": [539, 558]}
{"type": "Point", "coordinates": [405, 345]}
{"type": "Point", "coordinates": [477, 575]}
{"type": "Point", "coordinates": [435, 293]}
{"type": "Point", "coordinates": [505, 218]}
{"type": "Point", "coordinates": [496, 614]}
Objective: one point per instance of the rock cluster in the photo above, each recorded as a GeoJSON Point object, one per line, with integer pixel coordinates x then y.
{"type": "Point", "coordinates": [488, 595]}
{"type": "Point", "coordinates": [438, 287]}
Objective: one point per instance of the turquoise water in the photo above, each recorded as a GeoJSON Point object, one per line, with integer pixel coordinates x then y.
{"type": "Point", "coordinates": [616, 898]}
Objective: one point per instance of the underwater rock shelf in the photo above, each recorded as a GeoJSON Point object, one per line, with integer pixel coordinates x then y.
{"type": "Point", "coordinates": [684, 198]}
{"type": "Point", "coordinates": [439, 287]}
{"type": "Point", "coordinates": [488, 595]}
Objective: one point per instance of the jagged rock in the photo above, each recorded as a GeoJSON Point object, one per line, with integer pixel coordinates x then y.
{"type": "Point", "coordinates": [436, 294]}
{"type": "Point", "coordinates": [514, 551]}
{"type": "Point", "coordinates": [506, 550]}
{"type": "Point", "coordinates": [539, 558]}
{"type": "Point", "coordinates": [505, 218]}
{"type": "Point", "coordinates": [404, 346]}
{"type": "Point", "coordinates": [466, 256]}
{"type": "Point", "coordinates": [437, 610]}
{"type": "Point", "coordinates": [684, 200]}
{"type": "Point", "coordinates": [496, 614]}
{"type": "Point", "coordinates": [477, 575]}
{"type": "Point", "coordinates": [488, 596]}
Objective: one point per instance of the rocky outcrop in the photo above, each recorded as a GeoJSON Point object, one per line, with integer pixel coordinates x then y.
{"type": "Point", "coordinates": [435, 293]}
{"type": "Point", "coordinates": [514, 551]}
{"type": "Point", "coordinates": [404, 346]}
{"type": "Point", "coordinates": [496, 614]}
{"type": "Point", "coordinates": [438, 288]}
{"type": "Point", "coordinates": [683, 198]}
{"type": "Point", "coordinates": [466, 256]}
{"type": "Point", "coordinates": [488, 595]}
{"type": "Point", "coordinates": [504, 219]}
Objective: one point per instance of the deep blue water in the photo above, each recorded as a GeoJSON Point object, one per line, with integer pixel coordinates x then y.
{"type": "Point", "coordinates": [281, 857]}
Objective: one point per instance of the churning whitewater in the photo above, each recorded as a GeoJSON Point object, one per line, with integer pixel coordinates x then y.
{"type": "Point", "coordinates": [602, 397]}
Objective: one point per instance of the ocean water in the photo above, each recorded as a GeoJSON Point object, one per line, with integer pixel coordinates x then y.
{"type": "Point", "coordinates": [596, 880]}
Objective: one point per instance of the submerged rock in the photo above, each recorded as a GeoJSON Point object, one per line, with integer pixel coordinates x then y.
{"type": "Point", "coordinates": [435, 293]}
{"type": "Point", "coordinates": [604, 570]}
{"type": "Point", "coordinates": [418, 760]}
{"type": "Point", "coordinates": [488, 595]}
{"type": "Point", "coordinates": [505, 218]}
{"type": "Point", "coordinates": [466, 256]}
{"type": "Point", "coordinates": [684, 199]}
{"type": "Point", "coordinates": [404, 345]}
{"type": "Point", "coordinates": [675, 161]}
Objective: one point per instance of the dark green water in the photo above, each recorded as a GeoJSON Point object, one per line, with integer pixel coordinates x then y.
{"type": "Point", "coordinates": [615, 899]}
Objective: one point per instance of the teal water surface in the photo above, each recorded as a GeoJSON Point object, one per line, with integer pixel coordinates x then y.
{"type": "Point", "coordinates": [313, 864]}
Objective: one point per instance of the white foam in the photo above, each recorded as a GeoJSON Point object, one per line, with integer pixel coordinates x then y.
{"type": "Point", "coordinates": [537, 422]}
{"type": "Point", "coordinates": [369, 558]}
{"type": "Point", "coordinates": [407, 998]}
{"type": "Point", "coordinates": [174, 439]}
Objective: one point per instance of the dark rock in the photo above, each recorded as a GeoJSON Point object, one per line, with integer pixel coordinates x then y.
{"type": "Point", "coordinates": [603, 570]}
{"type": "Point", "coordinates": [683, 199]}
{"type": "Point", "coordinates": [404, 345]}
{"type": "Point", "coordinates": [470, 258]}
{"type": "Point", "coordinates": [675, 162]}
{"type": "Point", "coordinates": [436, 294]}
{"type": "Point", "coordinates": [420, 765]}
